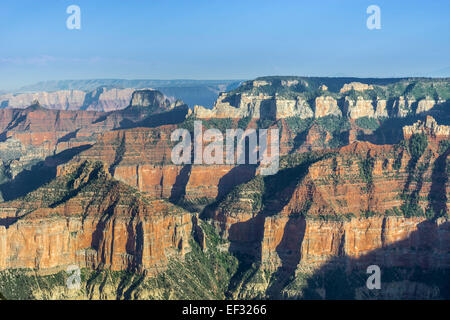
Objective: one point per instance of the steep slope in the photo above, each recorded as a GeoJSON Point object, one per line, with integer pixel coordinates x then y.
{"type": "Point", "coordinates": [316, 113]}
{"type": "Point", "coordinates": [141, 157]}
{"type": "Point", "coordinates": [204, 273]}
{"type": "Point", "coordinates": [309, 231]}
{"type": "Point", "coordinates": [282, 97]}
{"type": "Point", "coordinates": [341, 206]}
{"type": "Point", "coordinates": [29, 136]}
{"type": "Point", "coordinates": [88, 219]}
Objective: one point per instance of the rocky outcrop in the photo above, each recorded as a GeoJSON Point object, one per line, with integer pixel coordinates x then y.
{"type": "Point", "coordinates": [150, 99]}
{"type": "Point", "coordinates": [32, 134]}
{"type": "Point", "coordinates": [403, 106]}
{"type": "Point", "coordinates": [359, 108]}
{"type": "Point", "coordinates": [430, 128]}
{"type": "Point", "coordinates": [354, 208]}
{"type": "Point", "coordinates": [381, 109]}
{"type": "Point", "coordinates": [103, 99]}
{"type": "Point", "coordinates": [141, 157]}
{"type": "Point", "coordinates": [87, 219]}
{"type": "Point", "coordinates": [355, 239]}
{"type": "Point", "coordinates": [356, 86]}
{"type": "Point", "coordinates": [267, 107]}
{"type": "Point", "coordinates": [326, 106]}
{"type": "Point", "coordinates": [29, 136]}
{"type": "Point", "coordinates": [238, 106]}
{"type": "Point", "coordinates": [284, 97]}
{"type": "Point", "coordinates": [293, 108]}
{"type": "Point", "coordinates": [118, 205]}
{"type": "Point", "coordinates": [54, 100]}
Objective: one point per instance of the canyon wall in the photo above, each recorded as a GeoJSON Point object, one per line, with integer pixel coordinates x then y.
{"type": "Point", "coordinates": [87, 219]}
{"type": "Point", "coordinates": [363, 205]}
{"type": "Point", "coordinates": [100, 99]}
{"type": "Point", "coordinates": [115, 201]}
{"type": "Point", "coordinates": [141, 157]}
{"type": "Point", "coordinates": [278, 99]}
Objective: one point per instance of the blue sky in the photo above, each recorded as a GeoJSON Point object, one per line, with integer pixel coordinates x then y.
{"type": "Point", "coordinates": [227, 39]}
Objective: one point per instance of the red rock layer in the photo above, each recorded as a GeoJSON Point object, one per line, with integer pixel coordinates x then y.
{"type": "Point", "coordinates": [141, 157]}
{"type": "Point", "coordinates": [324, 215]}
{"type": "Point", "coordinates": [106, 224]}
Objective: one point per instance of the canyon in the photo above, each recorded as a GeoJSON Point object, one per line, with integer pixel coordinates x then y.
{"type": "Point", "coordinates": [363, 180]}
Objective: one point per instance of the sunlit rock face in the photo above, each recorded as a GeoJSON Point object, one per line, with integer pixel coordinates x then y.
{"type": "Point", "coordinates": [279, 98]}
{"type": "Point", "coordinates": [428, 127]}
{"type": "Point", "coordinates": [101, 99]}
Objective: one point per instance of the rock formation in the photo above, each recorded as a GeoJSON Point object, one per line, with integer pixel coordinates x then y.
{"type": "Point", "coordinates": [88, 219]}
{"type": "Point", "coordinates": [355, 208]}
{"type": "Point", "coordinates": [357, 86]}
{"type": "Point", "coordinates": [109, 199]}
{"type": "Point", "coordinates": [429, 128]}
{"type": "Point", "coordinates": [29, 136]}
{"type": "Point", "coordinates": [101, 99]}
{"type": "Point", "coordinates": [278, 98]}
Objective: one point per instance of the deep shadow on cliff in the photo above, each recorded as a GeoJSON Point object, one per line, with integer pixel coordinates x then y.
{"type": "Point", "coordinates": [174, 116]}
{"type": "Point", "coordinates": [289, 251]}
{"type": "Point", "coordinates": [391, 129]}
{"type": "Point", "coordinates": [439, 178]}
{"type": "Point", "coordinates": [179, 188]}
{"type": "Point", "coordinates": [38, 175]}
{"type": "Point", "coordinates": [277, 192]}
{"type": "Point", "coordinates": [238, 175]}
{"type": "Point", "coordinates": [417, 267]}
{"type": "Point", "coordinates": [412, 268]}
{"type": "Point", "coordinates": [134, 117]}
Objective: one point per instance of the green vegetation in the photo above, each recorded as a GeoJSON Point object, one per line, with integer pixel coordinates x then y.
{"type": "Point", "coordinates": [204, 274]}
{"type": "Point", "coordinates": [188, 124]}
{"type": "Point", "coordinates": [308, 88]}
{"type": "Point", "coordinates": [411, 208]}
{"type": "Point", "coordinates": [367, 123]}
{"type": "Point", "coordinates": [26, 284]}
{"type": "Point", "coordinates": [263, 191]}
{"type": "Point", "coordinates": [333, 124]}
{"type": "Point", "coordinates": [243, 122]}
{"type": "Point", "coordinates": [217, 123]}
{"type": "Point", "coordinates": [417, 146]}
{"type": "Point", "coordinates": [298, 125]}
{"type": "Point", "coordinates": [398, 162]}
{"type": "Point", "coordinates": [265, 123]}
{"type": "Point", "coordinates": [336, 126]}
{"type": "Point", "coordinates": [366, 169]}
{"type": "Point", "coordinates": [444, 146]}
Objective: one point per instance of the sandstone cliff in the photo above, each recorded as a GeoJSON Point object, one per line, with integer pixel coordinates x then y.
{"type": "Point", "coordinates": [28, 136]}
{"type": "Point", "coordinates": [141, 157]}
{"type": "Point", "coordinates": [283, 97]}
{"type": "Point", "coordinates": [90, 220]}
{"type": "Point", "coordinates": [343, 210]}
{"type": "Point", "coordinates": [429, 128]}
{"type": "Point", "coordinates": [111, 207]}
